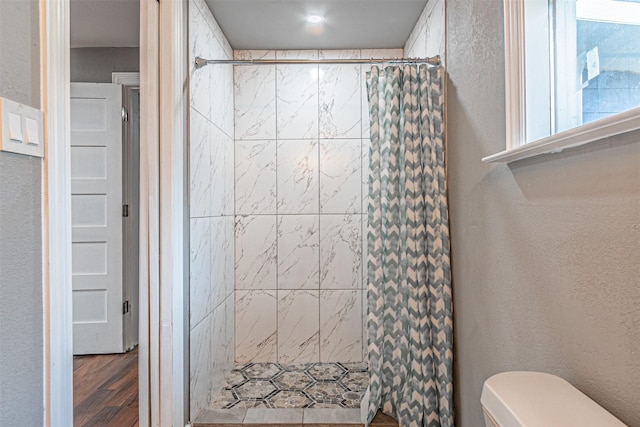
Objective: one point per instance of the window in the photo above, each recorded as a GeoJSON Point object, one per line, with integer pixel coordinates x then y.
{"type": "Point", "coordinates": [572, 73]}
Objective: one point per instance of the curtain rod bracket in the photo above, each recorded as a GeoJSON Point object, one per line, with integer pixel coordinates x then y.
{"type": "Point", "coordinates": [200, 62]}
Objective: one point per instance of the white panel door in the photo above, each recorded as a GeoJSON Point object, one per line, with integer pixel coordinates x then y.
{"type": "Point", "coordinates": [96, 217]}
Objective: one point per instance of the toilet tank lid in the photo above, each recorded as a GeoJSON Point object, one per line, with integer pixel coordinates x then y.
{"type": "Point", "coordinates": [536, 399]}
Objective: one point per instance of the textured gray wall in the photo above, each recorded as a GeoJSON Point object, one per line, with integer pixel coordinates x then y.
{"type": "Point", "coordinates": [20, 291]}
{"type": "Point", "coordinates": [21, 333]}
{"type": "Point", "coordinates": [20, 51]}
{"type": "Point", "coordinates": [545, 251]}
{"type": "Point", "coordinates": [95, 65]}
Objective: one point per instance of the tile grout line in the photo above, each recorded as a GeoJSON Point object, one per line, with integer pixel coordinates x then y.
{"type": "Point", "coordinates": [235, 195]}
{"type": "Point", "coordinates": [362, 77]}
{"type": "Point", "coordinates": [275, 80]}
{"type": "Point", "coordinates": [319, 221]}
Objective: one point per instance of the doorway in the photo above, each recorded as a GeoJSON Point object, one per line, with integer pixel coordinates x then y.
{"type": "Point", "coordinates": [105, 170]}
{"type": "Point", "coordinates": [104, 64]}
{"type": "Point", "coordinates": [162, 327]}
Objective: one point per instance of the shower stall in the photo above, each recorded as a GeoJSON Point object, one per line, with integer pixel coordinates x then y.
{"type": "Point", "coordinates": [278, 165]}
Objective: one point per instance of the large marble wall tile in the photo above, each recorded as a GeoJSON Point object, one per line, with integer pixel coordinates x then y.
{"type": "Point", "coordinates": [200, 37]}
{"type": "Point", "coordinates": [218, 170]}
{"type": "Point", "coordinates": [340, 252]}
{"type": "Point", "coordinates": [340, 101]}
{"type": "Point", "coordinates": [339, 54]}
{"type": "Point", "coordinates": [223, 107]}
{"type": "Point", "coordinates": [255, 177]}
{"type": "Point", "coordinates": [256, 326]}
{"type": "Point", "coordinates": [256, 252]}
{"type": "Point", "coordinates": [366, 148]}
{"type": "Point", "coordinates": [199, 166]}
{"type": "Point", "coordinates": [382, 53]}
{"type": "Point", "coordinates": [297, 54]}
{"type": "Point", "coordinates": [229, 176]}
{"type": "Point", "coordinates": [230, 344]}
{"type": "Point", "coordinates": [298, 326]}
{"type": "Point", "coordinates": [340, 176]}
{"type": "Point", "coordinates": [254, 54]}
{"type": "Point", "coordinates": [221, 169]}
{"type": "Point", "coordinates": [428, 35]}
{"type": "Point", "coordinates": [416, 33]}
{"type": "Point", "coordinates": [365, 121]}
{"type": "Point", "coordinates": [298, 177]}
{"type": "Point", "coordinates": [211, 87]}
{"type": "Point", "coordinates": [216, 44]}
{"type": "Point", "coordinates": [435, 43]}
{"type": "Point", "coordinates": [218, 35]}
{"type": "Point", "coordinates": [227, 51]}
{"type": "Point", "coordinates": [218, 349]}
{"type": "Point", "coordinates": [200, 366]}
{"type": "Point", "coordinates": [419, 47]}
{"type": "Point", "coordinates": [230, 255]}
{"type": "Point", "coordinates": [297, 101]}
{"type": "Point", "coordinates": [211, 194]}
{"type": "Point", "coordinates": [340, 326]}
{"type": "Point", "coordinates": [200, 4]}
{"type": "Point", "coordinates": [200, 270]}
{"type": "Point", "coordinates": [220, 248]}
{"type": "Point", "coordinates": [255, 102]}
{"type": "Point", "coordinates": [298, 252]}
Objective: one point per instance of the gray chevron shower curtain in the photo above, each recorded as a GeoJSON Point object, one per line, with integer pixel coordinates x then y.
{"type": "Point", "coordinates": [410, 322]}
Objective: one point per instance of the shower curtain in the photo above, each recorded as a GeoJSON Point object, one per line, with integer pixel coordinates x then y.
{"type": "Point", "coordinates": [410, 324]}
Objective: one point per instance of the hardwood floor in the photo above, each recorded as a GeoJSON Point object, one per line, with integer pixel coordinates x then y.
{"type": "Point", "coordinates": [105, 390]}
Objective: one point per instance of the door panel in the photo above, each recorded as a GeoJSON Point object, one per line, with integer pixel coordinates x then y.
{"type": "Point", "coordinates": [96, 218]}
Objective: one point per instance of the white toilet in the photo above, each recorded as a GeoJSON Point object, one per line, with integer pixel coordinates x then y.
{"type": "Point", "coordinates": [535, 399]}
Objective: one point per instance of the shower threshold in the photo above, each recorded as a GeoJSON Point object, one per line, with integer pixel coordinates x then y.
{"type": "Point", "coordinates": [289, 394]}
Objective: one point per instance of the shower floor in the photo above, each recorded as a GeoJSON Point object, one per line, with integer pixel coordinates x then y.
{"type": "Point", "coordinates": [310, 385]}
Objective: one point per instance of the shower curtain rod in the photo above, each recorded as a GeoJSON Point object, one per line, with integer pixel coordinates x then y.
{"type": "Point", "coordinates": [201, 62]}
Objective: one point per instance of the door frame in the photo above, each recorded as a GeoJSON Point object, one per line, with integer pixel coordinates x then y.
{"type": "Point", "coordinates": [163, 349]}
{"type": "Point", "coordinates": [130, 82]}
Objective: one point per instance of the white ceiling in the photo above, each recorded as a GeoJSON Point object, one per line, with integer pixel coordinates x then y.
{"type": "Point", "coordinates": [281, 24]}
{"type": "Point", "coordinates": [105, 23]}
{"type": "Point", "coordinates": [262, 24]}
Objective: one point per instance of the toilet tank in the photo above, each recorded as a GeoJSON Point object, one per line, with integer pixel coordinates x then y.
{"type": "Point", "coordinates": [535, 399]}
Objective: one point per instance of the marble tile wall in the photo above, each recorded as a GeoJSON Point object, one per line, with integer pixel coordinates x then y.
{"type": "Point", "coordinates": [428, 35]}
{"type": "Point", "coordinates": [211, 210]}
{"type": "Point", "coordinates": [301, 161]}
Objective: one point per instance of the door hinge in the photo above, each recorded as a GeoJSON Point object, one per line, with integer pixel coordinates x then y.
{"type": "Point", "coordinates": [125, 211]}
{"type": "Point", "coordinates": [125, 307]}
{"type": "Point", "coordinates": [125, 115]}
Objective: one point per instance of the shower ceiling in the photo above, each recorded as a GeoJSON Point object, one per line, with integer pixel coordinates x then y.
{"type": "Point", "coordinates": [281, 24]}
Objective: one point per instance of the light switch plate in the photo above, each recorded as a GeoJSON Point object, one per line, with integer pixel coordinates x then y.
{"type": "Point", "coordinates": [33, 131]}
{"type": "Point", "coordinates": [15, 127]}
{"type": "Point", "coordinates": [21, 129]}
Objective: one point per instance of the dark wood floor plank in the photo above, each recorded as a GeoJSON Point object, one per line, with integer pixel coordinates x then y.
{"type": "Point", "coordinates": [127, 418]}
{"type": "Point", "coordinates": [105, 390]}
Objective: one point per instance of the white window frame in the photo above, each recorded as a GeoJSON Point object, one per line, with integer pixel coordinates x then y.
{"type": "Point", "coordinates": [515, 102]}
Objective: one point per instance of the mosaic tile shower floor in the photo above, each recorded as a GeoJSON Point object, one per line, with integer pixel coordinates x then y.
{"type": "Point", "coordinates": [309, 385]}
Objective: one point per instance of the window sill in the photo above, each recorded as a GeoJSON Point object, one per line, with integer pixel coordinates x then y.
{"type": "Point", "coordinates": [610, 126]}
